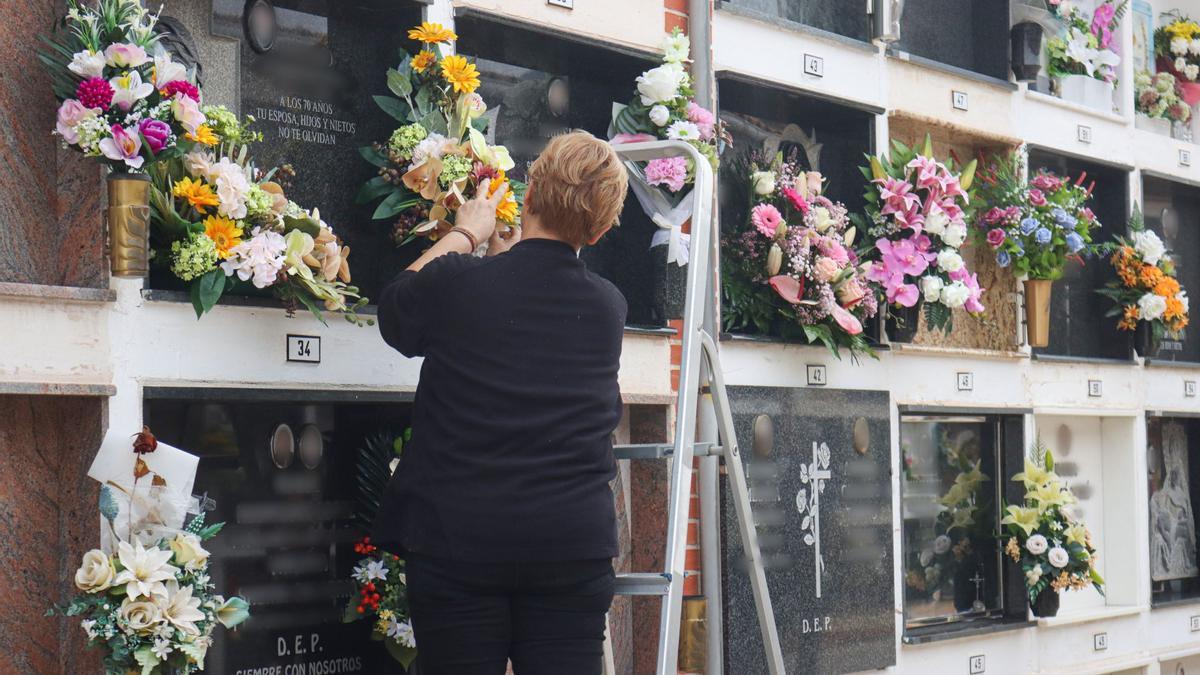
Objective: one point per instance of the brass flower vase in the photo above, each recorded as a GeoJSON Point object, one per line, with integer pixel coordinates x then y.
{"type": "Point", "coordinates": [128, 219]}
{"type": "Point", "coordinates": [1037, 311]}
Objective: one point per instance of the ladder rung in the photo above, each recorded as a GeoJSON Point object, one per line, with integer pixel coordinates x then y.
{"type": "Point", "coordinates": [662, 450]}
{"type": "Point", "coordinates": [643, 583]}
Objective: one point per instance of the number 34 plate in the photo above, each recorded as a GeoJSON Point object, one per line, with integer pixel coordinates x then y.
{"type": "Point", "coordinates": [304, 348]}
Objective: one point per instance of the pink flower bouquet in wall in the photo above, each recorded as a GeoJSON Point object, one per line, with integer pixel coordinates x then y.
{"type": "Point", "coordinates": [917, 214]}
{"type": "Point", "coordinates": [122, 99]}
{"type": "Point", "coordinates": [664, 109]}
{"type": "Point", "coordinates": [790, 268]}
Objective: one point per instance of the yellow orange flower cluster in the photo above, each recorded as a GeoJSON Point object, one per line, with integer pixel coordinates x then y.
{"type": "Point", "coordinates": [1137, 275]}
{"type": "Point", "coordinates": [460, 74]}
{"type": "Point", "coordinates": [507, 210]}
{"type": "Point", "coordinates": [1183, 29]}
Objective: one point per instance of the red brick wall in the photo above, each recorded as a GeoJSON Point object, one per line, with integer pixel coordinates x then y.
{"type": "Point", "coordinates": [48, 518]}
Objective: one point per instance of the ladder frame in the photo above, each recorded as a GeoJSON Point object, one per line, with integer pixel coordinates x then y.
{"type": "Point", "coordinates": [700, 362]}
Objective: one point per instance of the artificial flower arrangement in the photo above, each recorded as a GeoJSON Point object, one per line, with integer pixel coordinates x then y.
{"type": "Point", "coordinates": [380, 587]}
{"type": "Point", "coordinates": [1160, 97]}
{"type": "Point", "coordinates": [123, 100]}
{"type": "Point", "coordinates": [664, 109]}
{"type": "Point", "coordinates": [1177, 52]}
{"type": "Point", "coordinates": [1146, 293]}
{"type": "Point", "coordinates": [1054, 550]}
{"type": "Point", "coordinates": [1086, 47]}
{"type": "Point", "coordinates": [219, 221]}
{"type": "Point", "coordinates": [791, 267]}
{"type": "Point", "coordinates": [152, 609]}
{"type": "Point", "coordinates": [958, 522]}
{"type": "Point", "coordinates": [917, 214]}
{"type": "Point", "coordinates": [1034, 229]}
{"type": "Point", "coordinates": [435, 162]}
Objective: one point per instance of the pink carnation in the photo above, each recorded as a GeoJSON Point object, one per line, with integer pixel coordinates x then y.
{"type": "Point", "coordinates": [797, 201]}
{"type": "Point", "coordinates": [702, 118]}
{"type": "Point", "coordinates": [670, 172]}
{"type": "Point", "coordinates": [766, 219]}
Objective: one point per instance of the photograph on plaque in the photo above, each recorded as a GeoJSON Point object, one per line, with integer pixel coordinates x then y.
{"type": "Point", "coordinates": [818, 464]}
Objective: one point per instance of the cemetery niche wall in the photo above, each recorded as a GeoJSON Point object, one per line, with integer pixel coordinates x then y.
{"type": "Point", "coordinates": [968, 34]}
{"type": "Point", "coordinates": [308, 70]}
{"type": "Point", "coordinates": [826, 15]}
{"type": "Point", "coordinates": [539, 84]}
{"type": "Point", "coordinates": [1173, 477]}
{"type": "Point", "coordinates": [1172, 210]}
{"type": "Point", "coordinates": [280, 470]}
{"type": "Point", "coordinates": [1078, 327]}
{"type": "Point", "coordinates": [819, 467]}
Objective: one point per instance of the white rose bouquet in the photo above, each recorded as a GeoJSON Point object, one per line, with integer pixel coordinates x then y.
{"type": "Point", "coordinates": [1055, 551]}
{"type": "Point", "coordinates": [152, 610]}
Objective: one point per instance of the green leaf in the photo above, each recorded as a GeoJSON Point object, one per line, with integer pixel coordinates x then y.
{"type": "Point", "coordinates": [434, 122]}
{"type": "Point", "coordinates": [404, 655]}
{"type": "Point", "coordinates": [395, 203]}
{"type": "Point", "coordinates": [207, 290]}
{"type": "Point", "coordinates": [393, 106]}
{"type": "Point", "coordinates": [374, 189]}
{"type": "Point", "coordinates": [399, 83]}
{"type": "Point", "coordinates": [350, 614]}
{"type": "Point", "coordinates": [373, 156]}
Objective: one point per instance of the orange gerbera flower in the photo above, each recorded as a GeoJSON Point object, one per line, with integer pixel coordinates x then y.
{"type": "Point", "coordinates": [460, 73]}
{"type": "Point", "coordinates": [423, 60]}
{"type": "Point", "coordinates": [204, 136]}
{"type": "Point", "coordinates": [507, 210]}
{"type": "Point", "coordinates": [224, 232]}
{"type": "Point", "coordinates": [197, 193]}
{"type": "Point", "coordinates": [431, 33]}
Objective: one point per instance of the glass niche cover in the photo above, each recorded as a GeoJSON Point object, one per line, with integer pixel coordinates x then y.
{"type": "Point", "coordinates": [1172, 466]}
{"type": "Point", "coordinates": [1171, 210]}
{"type": "Point", "coordinates": [282, 477]}
{"type": "Point", "coordinates": [538, 85]}
{"type": "Point", "coordinates": [834, 16]}
{"type": "Point", "coordinates": [952, 491]}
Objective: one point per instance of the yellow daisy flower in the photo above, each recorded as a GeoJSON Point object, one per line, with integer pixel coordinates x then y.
{"type": "Point", "coordinates": [431, 33]}
{"type": "Point", "coordinates": [507, 210]}
{"type": "Point", "coordinates": [224, 232]}
{"type": "Point", "coordinates": [422, 61]}
{"type": "Point", "coordinates": [197, 193]}
{"type": "Point", "coordinates": [461, 73]}
{"type": "Point", "coordinates": [204, 136]}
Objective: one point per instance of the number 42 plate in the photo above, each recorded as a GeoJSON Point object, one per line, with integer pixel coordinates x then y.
{"type": "Point", "coordinates": [304, 348]}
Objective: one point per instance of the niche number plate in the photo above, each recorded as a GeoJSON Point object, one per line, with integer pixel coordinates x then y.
{"type": "Point", "coordinates": [304, 348]}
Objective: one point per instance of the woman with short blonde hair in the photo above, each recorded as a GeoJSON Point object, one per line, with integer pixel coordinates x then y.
{"type": "Point", "coordinates": [501, 504]}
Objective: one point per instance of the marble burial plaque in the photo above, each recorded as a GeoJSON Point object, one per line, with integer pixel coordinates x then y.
{"type": "Point", "coordinates": [308, 72]}
{"type": "Point", "coordinates": [281, 477]}
{"type": "Point", "coordinates": [819, 466]}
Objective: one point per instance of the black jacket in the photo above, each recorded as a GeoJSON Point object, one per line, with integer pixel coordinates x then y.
{"type": "Point", "coordinates": [511, 453]}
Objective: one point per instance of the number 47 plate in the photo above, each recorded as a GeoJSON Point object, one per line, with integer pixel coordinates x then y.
{"type": "Point", "coordinates": [304, 348]}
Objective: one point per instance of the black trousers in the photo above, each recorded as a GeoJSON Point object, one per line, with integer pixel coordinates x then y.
{"type": "Point", "coordinates": [471, 618]}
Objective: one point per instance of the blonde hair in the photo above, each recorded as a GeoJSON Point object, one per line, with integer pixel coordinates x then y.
{"type": "Point", "coordinates": [577, 187]}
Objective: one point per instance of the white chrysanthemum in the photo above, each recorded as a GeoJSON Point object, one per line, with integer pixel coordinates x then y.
{"type": "Point", "coordinates": [1179, 46]}
{"type": "Point", "coordinates": [936, 221]}
{"type": "Point", "coordinates": [1194, 46]}
{"type": "Point", "coordinates": [948, 260]}
{"type": "Point", "coordinates": [1034, 575]}
{"type": "Point", "coordinates": [1149, 247]}
{"type": "Point", "coordinates": [683, 131]}
{"type": "Point", "coordinates": [955, 234]}
{"type": "Point", "coordinates": [1151, 306]}
{"type": "Point", "coordinates": [955, 294]}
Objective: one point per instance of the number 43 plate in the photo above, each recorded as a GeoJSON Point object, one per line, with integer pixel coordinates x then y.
{"type": "Point", "coordinates": [304, 348]}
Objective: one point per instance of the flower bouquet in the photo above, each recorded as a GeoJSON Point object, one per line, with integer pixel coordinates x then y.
{"type": "Point", "coordinates": [218, 220]}
{"type": "Point", "coordinates": [435, 162]}
{"type": "Point", "coordinates": [1148, 297]}
{"type": "Point", "coordinates": [1083, 58]}
{"type": "Point", "coordinates": [1055, 552]}
{"type": "Point", "coordinates": [664, 109]}
{"type": "Point", "coordinates": [1177, 52]}
{"type": "Point", "coordinates": [1160, 97]}
{"type": "Point", "coordinates": [791, 268]}
{"type": "Point", "coordinates": [125, 102]}
{"type": "Point", "coordinates": [1034, 229]}
{"type": "Point", "coordinates": [152, 609]}
{"type": "Point", "coordinates": [917, 216]}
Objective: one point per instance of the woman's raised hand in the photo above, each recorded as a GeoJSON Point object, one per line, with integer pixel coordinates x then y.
{"type": "Point", "coordinates": [478, 216]}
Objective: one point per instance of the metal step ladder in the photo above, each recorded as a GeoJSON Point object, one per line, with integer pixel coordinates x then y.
{"type": "Point", "coordinates": [700, 366]}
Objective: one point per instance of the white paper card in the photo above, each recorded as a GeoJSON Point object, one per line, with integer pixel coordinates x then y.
{"type": "Point", "coordinates": [116, 459]}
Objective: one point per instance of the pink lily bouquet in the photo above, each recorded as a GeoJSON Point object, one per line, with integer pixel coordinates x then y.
{"type": "Point", "coordinates": [122, 99]}
{"type": "Point", "coordinates": [791, 268]}
{"type": "Point", "coordinates": [918, 211]}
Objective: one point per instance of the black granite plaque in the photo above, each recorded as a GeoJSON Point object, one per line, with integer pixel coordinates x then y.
{"type": "Point", "coordinates": [1172, 210]}
{"type": "Point", "coordinates": [311, 94]}
{"type": "Point", "coordinates": [836, 16]}
{"type": "Point", "coordinates": [540, 84]}
{"type": "Point", "coordinates": [819, 463]}
{"type": "Point", "coordinates": [287, 546]}
{"type": "Point", "coordinates": [1078, 326]}
{"type": "Point", "coordinates": [970, 34]}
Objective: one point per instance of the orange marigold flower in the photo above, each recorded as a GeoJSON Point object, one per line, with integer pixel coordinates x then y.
{"type": "Point", "coordinates": [1151, 275]}
{"type": "Point", "coordinates": [1130, 318]}
{"type": "Point", "coordinates": [1167, 287]}
{"type": "Point", "coordinates": [1174, 308]}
